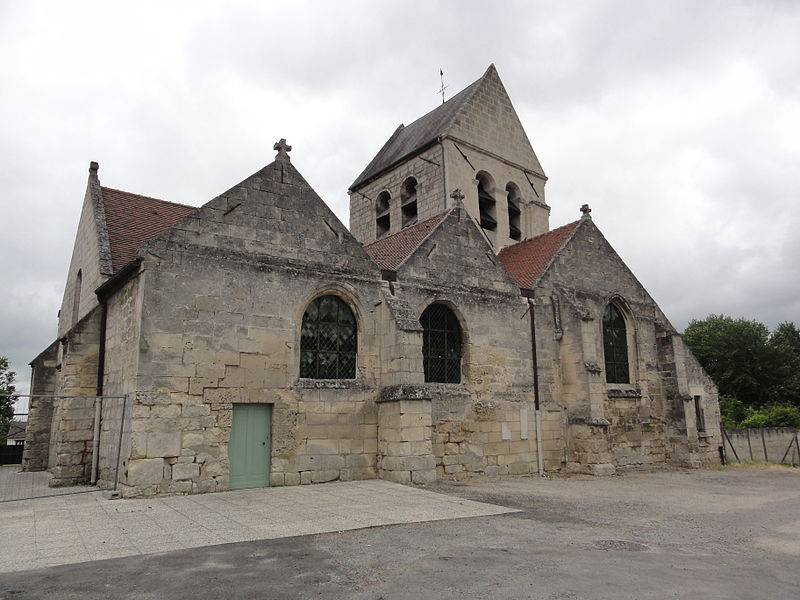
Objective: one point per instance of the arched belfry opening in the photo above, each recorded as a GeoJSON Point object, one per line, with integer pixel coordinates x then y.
{"type": "Point", "coordinates": [383, 222]}
{"type": "Point", "coordinates": [486, 202]}
{"type": "Point", "coordinates": [514, 212]}
{"type": "Point", "coordinates": [408, 202]}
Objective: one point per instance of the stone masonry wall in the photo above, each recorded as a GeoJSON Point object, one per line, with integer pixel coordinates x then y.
{"type": "Point", "coordinates": [613, 425]}
{"type": "Point", "coordinates": [86, 258]}
{"type": "Point", "coordinates": [40, 410]}
{"type": "Point", "coordinates": [222, 308]}
{"type": "Point", "coordinates": [462, 172]}
{"type": "Point", "coordinates": [120, 371]}
{"type": "Point", "coordinates": [485, 423]}
{"type": "Point", "coordinates": [426, 168]}
{"type": "Point", "coordinates": [72, 429]}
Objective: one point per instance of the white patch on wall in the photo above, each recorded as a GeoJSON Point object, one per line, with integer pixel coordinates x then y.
{"type": "Point", "coordinates": [505, 431]}
{"type": "Point", "coordinates": [523, 423]}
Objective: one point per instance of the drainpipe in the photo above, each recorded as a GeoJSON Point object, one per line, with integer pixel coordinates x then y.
{"type": "Point", "coordinates": [98, 401]}
{"type": "Point", "coordinates": [537, 415]}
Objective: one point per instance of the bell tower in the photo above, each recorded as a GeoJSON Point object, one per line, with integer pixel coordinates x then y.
{"type": "Point", "coordinates": [474, 142]}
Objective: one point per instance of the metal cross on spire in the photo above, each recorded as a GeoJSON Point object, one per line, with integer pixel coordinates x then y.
{"type": "Point", "coordinates": [444, 87]}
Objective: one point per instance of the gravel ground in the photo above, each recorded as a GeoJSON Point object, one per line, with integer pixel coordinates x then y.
{"type": "Point", "coordinates": [718, 534]}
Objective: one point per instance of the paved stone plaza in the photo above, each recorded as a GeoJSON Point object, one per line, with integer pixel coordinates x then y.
{"type": "Point", "coordinates": [57, 530]}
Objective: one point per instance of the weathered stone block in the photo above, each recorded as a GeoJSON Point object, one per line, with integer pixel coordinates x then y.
{"type": "Point", "coordinates": [185, 471]}
{"type": "Point", "coordinates": [145, 471]}
{"type": "Point", "coordinates": [161, 444]}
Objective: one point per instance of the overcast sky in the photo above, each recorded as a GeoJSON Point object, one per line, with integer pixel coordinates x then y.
{"type": "Point", "coordinates": [678, 122]}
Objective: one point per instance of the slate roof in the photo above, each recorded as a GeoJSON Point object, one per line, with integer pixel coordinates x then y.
{"type": "Point", "coordinates": [407, 140]}
{"type": "Point", "coordinates": [132, 220]}
{"type": "Point", "coordinates": [527, 261]}
{"type": "Point", "coordinates": [389, 252]}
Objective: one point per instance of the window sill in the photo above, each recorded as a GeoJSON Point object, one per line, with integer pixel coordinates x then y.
{"type": "Point", "coordinates": [331, 384]}
{"type": "Point", "coordinates": [623, 391]}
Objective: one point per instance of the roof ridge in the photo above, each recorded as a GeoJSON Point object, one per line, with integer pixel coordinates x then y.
{"type": "Point", "coordinates": [105, 187]}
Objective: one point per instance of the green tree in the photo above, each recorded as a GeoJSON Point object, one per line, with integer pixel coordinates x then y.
{"type": "Point", "coordinates": [737, 355]}
{"type": "Point", "coordinates": [6, 400]}
{"type": "Point", "coordinates": [785, 340]}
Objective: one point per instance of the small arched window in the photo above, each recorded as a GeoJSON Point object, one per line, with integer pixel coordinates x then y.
{"type": "Point", "coordinates": [486, 202]}
{"type": "Point", "coordinates": [615, 345]}
{"type": "Point", "coordinates": [76, 297]}
{"type": "Point", "coordinates": [328, 340]}
{"type": "Point", "coordinates": [383, 222]}
{"type": "Point", "coordinates": [441, 344]}
{"type": "Point", "coordinates": [514, 231]}
{"type": "Point", "coordinates": [408, 202]}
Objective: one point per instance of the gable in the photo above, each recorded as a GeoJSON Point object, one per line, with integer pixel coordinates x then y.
{"type": "Point", "coordinates": [489, 122]}
{"type": "Point", "coordinates": [274, 215]}
{"type": "Point", "coordinates": [455, 255]}
{"type": "Point", "coordinates": [90, 257]}
{"type": "Point", "coordinates": [588, 266]}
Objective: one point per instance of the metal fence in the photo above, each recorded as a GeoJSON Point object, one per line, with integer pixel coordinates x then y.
{"type": "Point", "coordinates": [109, 424]}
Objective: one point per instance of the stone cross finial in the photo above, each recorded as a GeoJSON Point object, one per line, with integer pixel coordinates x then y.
{"type": "Point", "coordinates": [457, 195]}
{"type": "Point", "coordinates": [283, 148]}
{"type": "Point", "coordinates": [586, 210]}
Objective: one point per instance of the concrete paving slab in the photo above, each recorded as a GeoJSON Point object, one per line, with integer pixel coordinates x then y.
{"type": "Point", "coordinates": [66, 529]}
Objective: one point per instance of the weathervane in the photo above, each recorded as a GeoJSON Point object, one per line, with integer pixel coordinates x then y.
{"type": "Point", "coordinates": [444, 87]}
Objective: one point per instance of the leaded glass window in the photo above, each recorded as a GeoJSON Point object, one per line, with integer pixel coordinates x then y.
{"type": "Point", "coordinates": [615, 343]}
{"type": "Point", "coordinates": [441, 344]}
{"type": "Point", "coordinates": [328, 340]}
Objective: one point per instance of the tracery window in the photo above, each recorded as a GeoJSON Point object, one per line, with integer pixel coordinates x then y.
{"type": "Point", "coordinates": [328, 340]}
{"type": "Point", "coordinates": [441, 344]}
{"type": "Point", "coordinates": [615, 344]}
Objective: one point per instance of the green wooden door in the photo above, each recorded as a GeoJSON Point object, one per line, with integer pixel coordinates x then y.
{"type": "Point", "coordinates": [249, 447]}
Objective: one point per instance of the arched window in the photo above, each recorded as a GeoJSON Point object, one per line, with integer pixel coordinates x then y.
{"type": "Point", "coordinates": [408, 202]}
{"type": "Point", "coordinates": [441, 344]}
{"type": "Point", "coordinates": [514, 232]}
{"type": "Point", "coordinates": [328, 340]}
{"type": "Point", "coordinates": [76, 297]}
{"type": "Point", "coordinates": [486, 202]}
{"type": "Point", "coordinates": [382, 218]}
{"type": "Point", "coordinates": [615, 345]}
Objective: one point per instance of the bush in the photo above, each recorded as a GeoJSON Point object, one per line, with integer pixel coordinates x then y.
{"type": "Point", "coordinates": [773, 416]}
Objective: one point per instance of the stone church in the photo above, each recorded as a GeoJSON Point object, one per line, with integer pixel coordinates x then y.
{"type": "Point", "coordinates": [256, 341]}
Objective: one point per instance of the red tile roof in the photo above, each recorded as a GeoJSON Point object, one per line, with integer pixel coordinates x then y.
{"type": "Point", "coordinates": [392, 250]}
{"type": "Point", "coordinates": [526, 261]}
{"type": "Point", "coordinates": [132, 220]}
